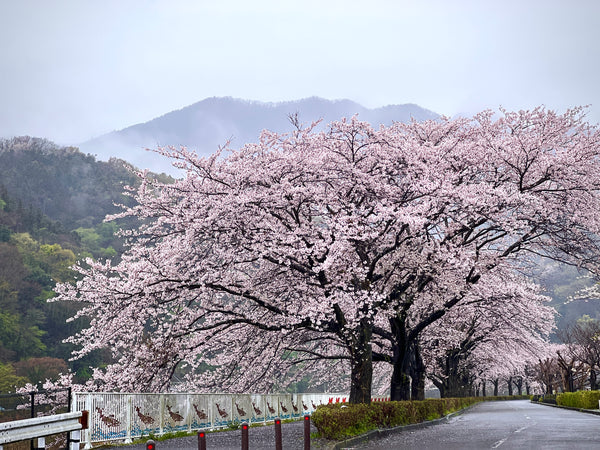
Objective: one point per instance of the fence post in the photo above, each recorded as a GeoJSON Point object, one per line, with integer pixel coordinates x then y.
{"type": "Point", "coordinates": [74, 439]}
{"type": "Point", "coordinates": [211, 410]}
{"type": "Point", "coordinates": [128, 419]}
{"type": "Point", "coordinates": [88, 431]}
{"type": "Point", "coordinates": [188, 412]}
{"type": "Point", "coordinates": [32, 398]}
{"type": "Point", "coordinates": [161, 402]}
{"type": "Point", "coordinates": [306, 432]}
{"type": "Point", "coordinates": [278, 441]}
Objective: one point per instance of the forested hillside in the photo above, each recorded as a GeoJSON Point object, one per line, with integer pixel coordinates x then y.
{"type": "Point", "coordinates": [61, 182]}
{"type": "Point", "coordinates": [52, 204]}
{"type": "Point", "coordinates": [561, 283]}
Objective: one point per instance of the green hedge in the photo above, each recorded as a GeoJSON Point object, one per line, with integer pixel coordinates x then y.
{"type": "Point", "coordinates": [340, 421]}
{"type": "Point", "coordinates": [579, 399]}
{"type": "Point", "coordinates": [547, 398]}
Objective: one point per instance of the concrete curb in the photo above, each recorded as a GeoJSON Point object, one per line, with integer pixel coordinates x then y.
{"type": "Point", "coordinates": [375, 434]}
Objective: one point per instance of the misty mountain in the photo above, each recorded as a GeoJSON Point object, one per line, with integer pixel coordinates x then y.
{"type": "Point", "coordinates": [210, 123]}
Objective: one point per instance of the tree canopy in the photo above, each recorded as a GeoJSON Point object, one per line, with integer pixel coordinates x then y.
{"type": "Point", "coordinates": [346, 245]}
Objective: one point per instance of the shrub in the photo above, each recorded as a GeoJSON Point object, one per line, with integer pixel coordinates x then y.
{"type": "Point", "coordinates": [579, 399]}
{"type": "Point", "coordinates": [548, 398]}
{"type": "Point", "coordinates": [339, 421]}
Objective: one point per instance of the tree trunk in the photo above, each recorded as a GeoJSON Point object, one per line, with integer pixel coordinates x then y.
{"type": "Point", "coordinates": [417, 387]}
{"type": "Point", "coordinates": [361, 364]}
{"type": "Point", "coordinates": [566, 370]}
{"type": "Point", "coordinates": [400, 384]}
{"type": "Point", "coordinates": [400, 381]}
{"type": "Point", "coordinates": [496, 382]}
{"type": "Point", "coordinates": [567, 379]}
{"type": "Point", "coordinates": [458, 382]}
{"type": "Point", "coordinates": [440, 387]}
{"type": "Point", "coordinates": [510, 386]}
{"type": "Point", "coordinates": [593, 380]}
{"type": "Point", "coordinates": [518, 382]}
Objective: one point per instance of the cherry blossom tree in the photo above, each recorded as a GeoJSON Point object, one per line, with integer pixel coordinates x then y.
{"type": "Point", "coordinates": [524, 184]}
{"type": "Point", "coordinates": [315, 246]}
{"type": "Point", "coordinates": [292, 233]}
{"type": "Point", "coordinates": [583, 342]}
{"type": "Point", "coordinates": [548, 373]}
{"type": "Point", "coordinates": [490, 337]}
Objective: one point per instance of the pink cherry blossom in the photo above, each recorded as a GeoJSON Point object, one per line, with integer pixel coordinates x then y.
{"type": "Point", "coordinates": [310, 250]}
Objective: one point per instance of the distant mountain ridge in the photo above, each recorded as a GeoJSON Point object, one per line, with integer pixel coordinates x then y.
{"type": "Point", "coordinates": [205, 125]}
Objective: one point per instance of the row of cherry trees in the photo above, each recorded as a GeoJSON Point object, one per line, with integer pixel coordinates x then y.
{"type": "Point", "coordinates": [353, 253]}
{"type": "Point", "coordinates": [489, 361]}
{"type": "Point", "coordinates": [573, 364]}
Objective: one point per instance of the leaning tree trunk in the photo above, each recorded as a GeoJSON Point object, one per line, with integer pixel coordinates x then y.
{"type": "Point", "coordinates": [361, 364]}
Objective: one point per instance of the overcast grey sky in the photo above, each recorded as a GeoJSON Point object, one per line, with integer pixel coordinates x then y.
{"type": "Point", "coordinates": [75, 69]}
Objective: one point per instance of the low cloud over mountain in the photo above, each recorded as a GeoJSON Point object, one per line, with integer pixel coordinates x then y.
{"type": "Point", "coordinates": [206, 125]}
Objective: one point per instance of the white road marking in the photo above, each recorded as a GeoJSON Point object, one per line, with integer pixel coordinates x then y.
{"type": "Point", "coordinates": [499, 443]}
{"type": "Point", "coordinates": [521, 429]}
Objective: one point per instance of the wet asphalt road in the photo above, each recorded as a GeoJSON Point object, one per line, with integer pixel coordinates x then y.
{"type": "Point", "coordinates": [516, 424]}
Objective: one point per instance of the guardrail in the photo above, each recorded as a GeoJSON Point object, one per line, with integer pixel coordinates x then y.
{"type": "Point", "coordinates": [39, 427]}
{"type": "Point", "coordinates": [123, 417]}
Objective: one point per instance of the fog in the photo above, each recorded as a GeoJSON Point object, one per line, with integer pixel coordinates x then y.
{"type": "Point", "coordinates": [73, 70]}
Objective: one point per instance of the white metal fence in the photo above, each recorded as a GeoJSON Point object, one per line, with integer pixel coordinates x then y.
{"type": "Point", "coordinates": [118, 416]}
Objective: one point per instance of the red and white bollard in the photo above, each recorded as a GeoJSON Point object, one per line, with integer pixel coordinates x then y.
{"type": "Point", "coordinates": [306, 432]}
{"type": "Point", "coordinates": [245, 437]}
{"type": "Point", "coordinates": [278, 440]}
{"type": "Point", "coordinates": [201, 440]}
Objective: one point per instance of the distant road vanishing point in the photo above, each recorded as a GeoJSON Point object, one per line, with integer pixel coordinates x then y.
{"type": "Point", "coordinates": [516, 424]}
